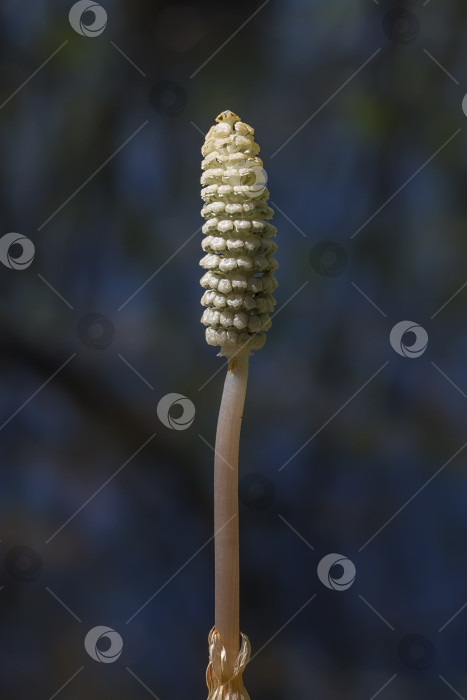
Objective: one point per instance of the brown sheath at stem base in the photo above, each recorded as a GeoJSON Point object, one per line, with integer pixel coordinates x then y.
{"type": "Point", "coordinates": [222, 684]}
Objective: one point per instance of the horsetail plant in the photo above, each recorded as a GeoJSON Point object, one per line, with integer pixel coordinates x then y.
{"type": "Point", "coordinates": [239, 283]}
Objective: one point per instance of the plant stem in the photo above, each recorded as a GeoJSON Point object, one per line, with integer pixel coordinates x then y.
{"type": "Point", "coordinates": [226, 542]}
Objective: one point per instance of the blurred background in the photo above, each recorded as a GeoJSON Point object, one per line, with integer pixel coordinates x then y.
{"type": "Point", "coordinates": [353, 441]}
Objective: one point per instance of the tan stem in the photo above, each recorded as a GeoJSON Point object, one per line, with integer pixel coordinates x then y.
{"type": "Point", "coordinates": [226, 544]}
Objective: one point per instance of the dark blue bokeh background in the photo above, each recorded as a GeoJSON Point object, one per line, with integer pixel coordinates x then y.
{"type": "Point", "coordinates": [102, 505]}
